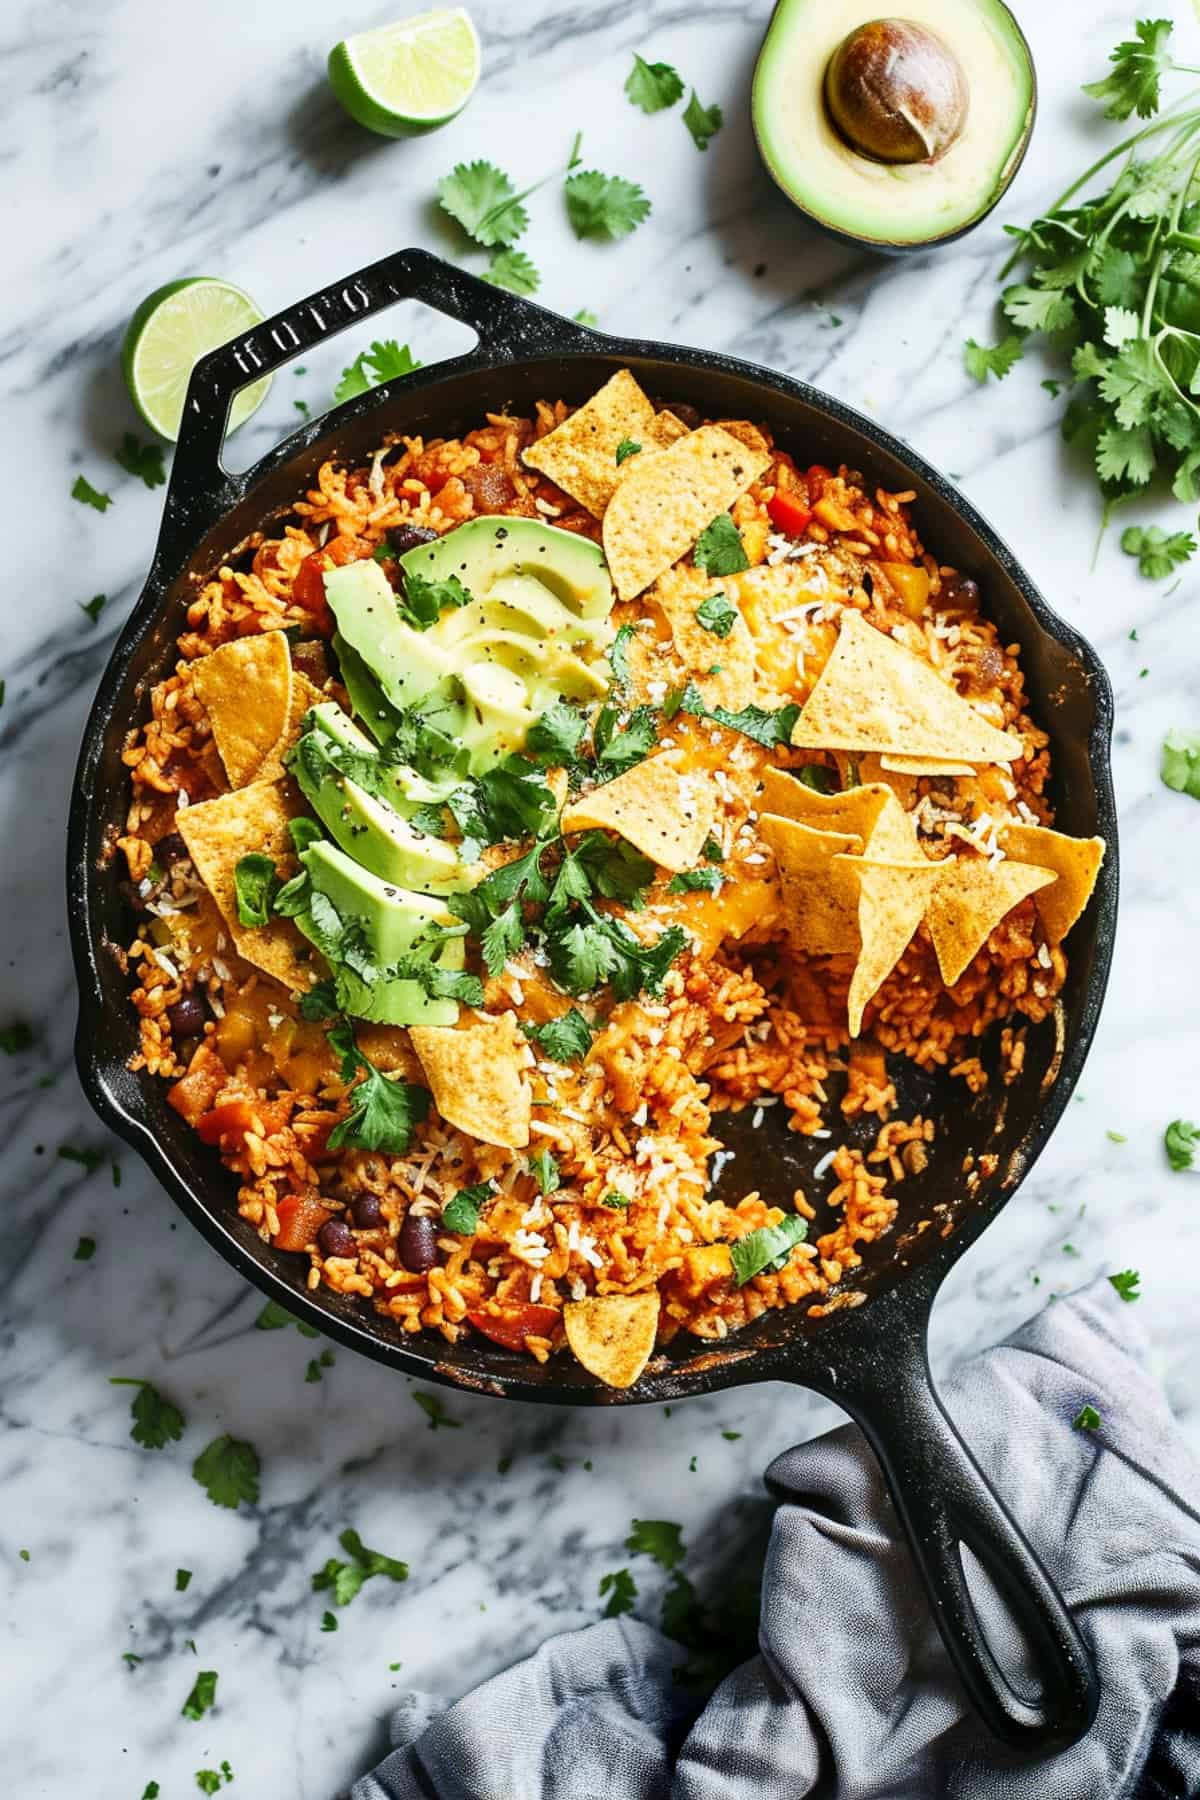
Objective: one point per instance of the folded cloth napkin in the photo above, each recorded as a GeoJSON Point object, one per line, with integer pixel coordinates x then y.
{"type": "Point", "coordinates": [852, 1696]}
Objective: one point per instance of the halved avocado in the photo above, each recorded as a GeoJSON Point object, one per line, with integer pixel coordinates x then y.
{"type": "Point", "coordinates": [898, 132]}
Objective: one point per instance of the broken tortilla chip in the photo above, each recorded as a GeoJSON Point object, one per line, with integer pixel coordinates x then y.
{"type": "Point", "coordinates": [971, 899]}
{"type": "Point", "coordinates": [580, 455]}
{"type": "Point", "coordinates": [305, 693]}
{"type": "Point", "coordinates": [924, 765]}
{"type": "Point", "coordinates": [668, 427]}
{"type": "Point", "coordinates": [1076, 862]}
{"type": "Point", "coordinates": [474, 1071]}
{"type": "Point", "coordinates": [246, 690]}
{"type": "Point", "coordinates": [613, 1335]}
{"type": "Point", "coordinates": [218, 833]}
{"type": "Point", "coordinates": [663, 813]}
{"type": "Point", "coordinates": [736, 683]}
{"type": "Point", "coordinates": [892, 900]}
{"type": "Point", "coordinates": [873, 694]}
{"type": "Point", "coordinates": [665, 501]}
{"type": "Point", "coordinates": [747, 434]}
{"type": "Point", "coordinates": [820, 899]}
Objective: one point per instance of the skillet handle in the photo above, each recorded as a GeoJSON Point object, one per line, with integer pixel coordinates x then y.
{"type": "Point", "coordinates": [202, 490]}
{"type": "Point", "coordinates": [944, 1501]}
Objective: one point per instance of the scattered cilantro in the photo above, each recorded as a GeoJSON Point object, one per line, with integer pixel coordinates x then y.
{"type": "Point", "coordinates": [1181, 1139]}
{"type": "Point", "coordinates": [156, 1420]}
{"type": "Point", "coordinates": [545, 1172]}
{"type": "Point", "coordinates": [584, 317]}
{"type": "Point", "coordinates": [1157, 553]}
{"type": "Point", "coordinates": [503, 1465]}
{"type": "Point", "coordinates": [693, 1465]}
{"type": "Point", "coordinates": [711, 851]}
{"type": "Point", "coordinates": [317, 1366]}
{"type": "Point", "coordinates": [766, 728]}
{"type": "Point", "coordinates": [625, 449]}
{"type": "Point", "coordinates": [513, 270]}
{"type": "Point", "coordinates": [604, 206]}
{"type": "Point", "coordinates": [255, 883]}
{"type": "Point", "coordinates": [1086, 1419]}
{"type": "Point", "coordinates": [621, 1589]}
{"type": "Point", "coordinates": [384, 361]}
{"type": "Point", "coordinates": [767, 1249]}
{"type": "Point", "coordinates": [208, 1780]}
{"type": "Point", "coordinates": [87, 495]}
{"type": "Point", "coordinates": [590, 950]}
{"type": "Point", "coordinates": [274, 1317]}
{"type": "Point", "coordinates": [563, 1040]}
{"type": "Point", "coordinates": [618, 655]}
{"type": "Point", "coordinates": [151, 1791]}
{"type": "Point", "coordinates": [511, 800]}
{"type": "Point", "coordinates": [182, 1579]}
{"type": "Point", "coordinates": [731, 1437]}
{"type": "Point", "coordinates": [619, 749]}
{"type": "Point", "coordinates": [1126, 1284]}
{"type": "Point", "coordinates": [1116, 1137]}
{"type": "Point", "coordinates": [345, 1579]}
{"type": "Point", "coordinates": [707, 881]}
{"type": "Point", "coordinates": [481, 198]}
{"type": "Point", "coordinates": [653, 86]}
{"type": "Point", "coordinates": [303, 408]}
{"type": "Point", "coordinates": [658, 1538]}
{"type": "Point", "coordinates": [130, 1658]}
{"type": "Point", "coordinates": [144, 460]}
{"type": "Point", "coordinates": [94, 607]}
{"type": "Point", "coordinates": [982, 360]}
{"type": "Point", "coordinates": [383, 1114]}
{"type": "Point", "coordinates": [16, 1037]}
{"type": "Point", "coordinates": [328, 1621]}
{"type": "Point", "coordinates": [554, 739]}
{"type": "Point", "coordinates": [1053, 388]}
{"type": "Point", "coordinates": [85, 1249]}
{"type": "Point", "coordinates": [1138, 67]}
{"type": "Point", "coordinates": [615, 1200]}
{"type": "Point", "coordinates": [434, 1411]}
{"type": "Point", "coordinates": [461, 1214]}
{"type": "Point", "coordinates": [703, 122]}
{"type": "Point", "coordinates": [818, 777]}
{"type": "Point", "coordinates": [1180, 766]}
{"type": "Point", "coordinates": [228, 1471]}
{"type": "Point", "coordinates": [87, 1159]}
{"type": "Point", "coordinates": [719, 549]}
{"type": "Point", "coordinates": [202, 1696]}
{"type": "Point", "coordinates": [717, 614]}
{"type": "Point", "coordinates": [426, 600]}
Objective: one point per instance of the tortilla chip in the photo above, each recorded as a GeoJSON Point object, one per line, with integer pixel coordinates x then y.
{"type": "Point", "coordinates": [1076, 862]}
{"type": "Point", "coordinates": [665, 814]}
{"type": "Point", "coordinates": [305, 693]}
{"type": "Point", "coordinates": [893, 837]}
{"type": "Point", "coordinates": [924, 765]}
{"type": "Point", "coordinates": [856, 810]}
{"type": "Point", "coordinates": [820, 898]}
{"type": "Point", "coordinates": [246, 690]}
{"type": "Point", "coordinates": [678, 593]}
{"type": "Point", "coordinates": [873, 694]}
{"type": "Point", "coordinates": [892, 900]}
{"type": "Point", "coordinates": [667, 429]}
{"type": "Point", "coordinates": [666, 500]}
{"type": "Point", "coordinates": [474, 1071]}
{"type": "Point", "coordinates": [747, 434]}
{"type": "Point", "coordinates": [218, 833]}
{"type": "Point", "coordinates": [972, 898]}
{"type": "Point", "coordinates": [613, 1335]}
{"type": "Point", "coordinates": [580, 455]}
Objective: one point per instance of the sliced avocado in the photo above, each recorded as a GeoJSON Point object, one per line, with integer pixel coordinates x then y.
{"type": "Point", "coordinates": [392, 919]}
{"type": "Point", "coordinates": [896, 132]}
{"type": "Point", "coordinates": [378, 837]}
{"type": "Point", "coordinates": [408, 664]}
{"type": "Point", "coordinates": [406, 790]}
{"type": "Point", "coordinates": [329, 718]}
{"type": "Point", "coordinates": [491, 549]}
{"type": "Point", "coordinates": [368, 699]}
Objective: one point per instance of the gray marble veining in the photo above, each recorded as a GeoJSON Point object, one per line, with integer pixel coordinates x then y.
{"type": "Point", "coordinates": [139, 142]}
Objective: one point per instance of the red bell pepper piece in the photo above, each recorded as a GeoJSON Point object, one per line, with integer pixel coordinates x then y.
{"type": "Point", "coordinates": [788, 512]}
{"type": "Point", "coordinates": [513, 1326]}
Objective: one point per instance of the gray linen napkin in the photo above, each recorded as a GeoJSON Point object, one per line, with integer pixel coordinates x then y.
{"type": "Point", "coordinates": [852, 1696]}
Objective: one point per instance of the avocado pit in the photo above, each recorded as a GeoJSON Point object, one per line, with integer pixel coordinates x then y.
{"type": "Point", "coordinates": [896, 92]}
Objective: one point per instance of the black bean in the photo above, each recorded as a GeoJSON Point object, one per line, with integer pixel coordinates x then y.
{"type": "Point", "coordinates": [169, 850]}
{"type": "Point", "coordinates": [407, 537]}
{"type": "Point", "coordinates": [367, 1213]}
{"type": "Point", "coordinates": [418, 1244]}
{"type": "Point", "coordinates": [960, 590]}
{"type": "Point", "coordinates": [187, 1016]}
{"type": "Point", "coordinates": [335, 1238]}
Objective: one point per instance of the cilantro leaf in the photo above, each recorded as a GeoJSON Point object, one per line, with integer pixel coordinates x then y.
{"type": "Point", "coordinates": [658, 1538]}
{"type": "Point", "coordinates": [615, 869]}
{"type": "Point", "coordinates": [766, 728]}
{"type": "Point", "coordinates": [383, 1114]}
{"type": "Point", "coordinates": [1180, 766]}
{"type": "Point", "coordinates": [767, 1249]}
{"type": "Point", "coordinates": [618, 656]}
{"type": "Point", "coordinates": [426, 600]}
{"type": "Point", "coordinates": [545, 1172]}
{"type": "Point", "coordinates": [85, 1249]}
{"type": "Point", "coordinates": [615, 1201]}
{"type": "Point", "coordinates": [255, 882]}
{"type": "Point", "coordinates": [1086, 1419]}
{"type": "Point", "coordinates": [202, 1696]}
{"type": "Point", "coordinates": [156, 1420]}
{"type": "Point", "coordinates": [514, 800]}
{"type": "Point", "coordinates": [145, 460]}
{"type": "Point", "coordinates": [621, 1589]}
{"type": "Point", "coordinates": [513, 270]}
{"type": "Point", "coordinates": [585, 954]}
{"type": "Point", "coordinates": [563, 1040]}
{"type": "Point", "coordinates": [618, 750]}
{"type": "Point", "coordinates": [90, 1160]}
{"type": "Point", "coordinates": [227, 1470]}
{"type": "Point", "coordinates": [652, 86]}
{"type": "Point", "coordinates": [554, 739]}
{"type": "Point", "coordinates": [1038, 308]}
{"type": "Point", "coordinates": [982, 360]}
{"type": "Point", "coordinates": [1157, 552]}
{"type": "Point", "coordinates": [16, 1037]}
{"type": "Point", "coordinates": [461, 1214]}
{"type": "Point", "coordinates": [208, 1780]}
{"type": "Point", "coordinates": [482, 199]}
{"type": "Point", "coordinates": [580, 958]}
{"type": "Point", "coordinates": [703, 122]}
{"type": "Point", "coordinates": [1181, 1139]}
{"type": "Point", "coordinates": [328, 1621]}
{"type": "Point", "coordinates": [604, 206]}
{"type": "Point", "coordinates": [688, 881]}
{"type": "Point", "coordinates": [382, 362]}
{"type": "Point", "coordinates": [584, 317]}
{"type": "Point", "coordinates": [502, 938]}
{"type": "Point", "coordinates": [625, 449]}
{"type": "Point", "coordinates": [719, 549]}
{"type": "Point", "coordinates": [1126, 1284]}
{"type": "Point", "coordinates": [345, 1579]}
{"type": "Point", "coordinates": [717, 614]}
{"type": "Point", "coordinates": [436, 1413]}
{"type": "Point", "coordinates": [1125, 456]}
{"type": "Point", "coordinates": [1139, 64]}
{"type": "Point", "coordinates": [87, 495]}
{"type": "Point", "coordinates": [183, 1578]}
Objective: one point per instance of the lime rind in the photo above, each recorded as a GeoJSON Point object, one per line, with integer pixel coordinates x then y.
{"type": "Point", "coordinates": [408, 77]}
{"type": "Point", "coordinates": [168, 334]}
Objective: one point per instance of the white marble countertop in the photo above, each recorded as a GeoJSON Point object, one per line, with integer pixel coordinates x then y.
{"type": "Point", "coordinates": [136, 147]}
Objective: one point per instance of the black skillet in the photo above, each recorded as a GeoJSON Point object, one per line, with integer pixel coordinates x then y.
{"type": "Point", "coordinates": [871, 1360]}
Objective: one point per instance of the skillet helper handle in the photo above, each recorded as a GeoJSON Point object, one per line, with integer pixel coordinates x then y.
{"type": "Point", "coordinates": [945, 1502]}
{"type": "Point", "coordinates": [201, 490]}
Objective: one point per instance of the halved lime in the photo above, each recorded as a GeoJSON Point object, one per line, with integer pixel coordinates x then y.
{"type": "Point", "coordinates": [169, 333]}
{"type": "Point", "coordinates": [408, 77]}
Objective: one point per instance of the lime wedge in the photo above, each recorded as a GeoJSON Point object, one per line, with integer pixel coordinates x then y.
{"type": "Point", "coordinates": [167, 336]}
{"type": "Point", "coordinates": [408, 77]}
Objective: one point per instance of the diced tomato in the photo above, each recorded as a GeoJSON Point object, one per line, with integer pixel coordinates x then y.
{"type": "Point", "coordinates": [341, 550]}
{"type": "Point", "coordinates": [818, 475]}
{"type": "Point", "coordinates": [308, 588]}
{"type": "Point", "coordinates": [513, 1326]}
{"type": "Point", "coordinates": [193, 1094]}
{"type": "Point", "coordinates": [233, 1118]}
{"type": "Point", "coordinates": [788, 512]}
{"type": "Point", "coordinates": [300, 1219]}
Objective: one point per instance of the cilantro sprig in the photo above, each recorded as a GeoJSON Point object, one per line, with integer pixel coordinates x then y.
{"type": "Point", "coordinates": [344, 1579]}
{"type": "Point", "coordinates": [653, 86]}
{"type": "Point", "coordinates": [1180, 765]}
{"type": "Point", "coordinates": [157, 1421]}
{"type": "Point", "coordinates": [1181, 1140]}
{"type": "Point", "coordinates": [384, 361]}
{"type": "Point", "coordinates": [383, 1114]}
{"type": "Point", "coordinates": [1158, 552]}
{"type": "Point", "coordinates": [604, 206]}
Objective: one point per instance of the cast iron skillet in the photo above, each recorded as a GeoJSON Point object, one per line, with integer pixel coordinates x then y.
{"type": "Point", "coordinates": [870, 1359]}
